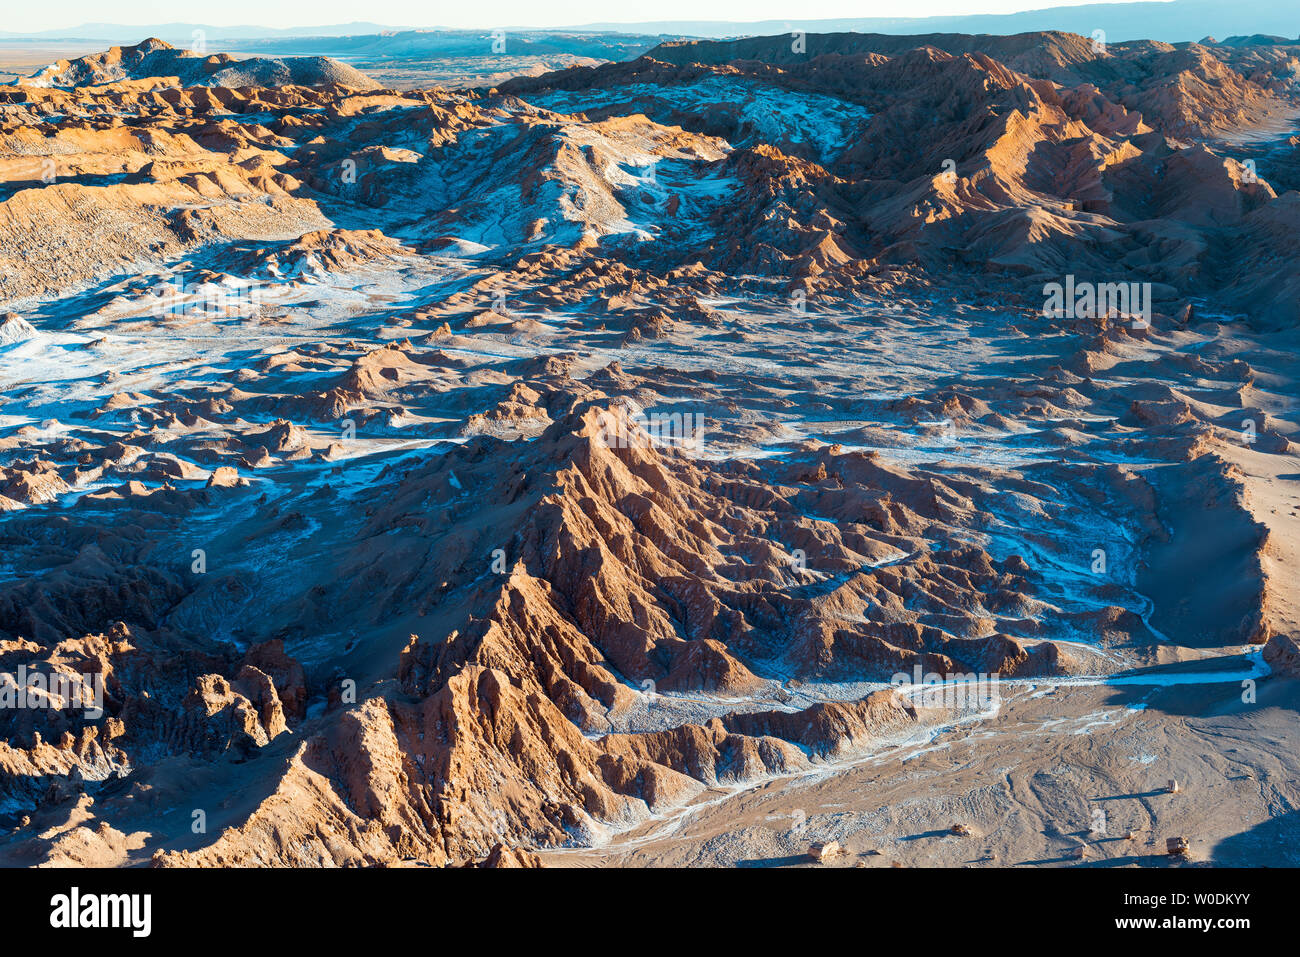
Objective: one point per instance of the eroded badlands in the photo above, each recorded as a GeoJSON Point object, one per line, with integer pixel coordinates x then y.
{"type": "Point", "coordinates": [563, 473]}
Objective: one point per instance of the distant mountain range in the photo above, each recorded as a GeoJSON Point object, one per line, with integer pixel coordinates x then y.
{"type": "Point", "coordinates": [1172, 21]}
{"type": "Point", "coordinates": [177, 33]}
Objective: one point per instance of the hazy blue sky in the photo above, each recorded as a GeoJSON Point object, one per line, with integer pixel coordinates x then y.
{"type": "Point", "coordinates": [23, 17]}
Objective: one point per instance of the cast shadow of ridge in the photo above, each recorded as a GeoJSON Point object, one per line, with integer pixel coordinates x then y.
{"type": "Point", "coordinates": [1271, 843]}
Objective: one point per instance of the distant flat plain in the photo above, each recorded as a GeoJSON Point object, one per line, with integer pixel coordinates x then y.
{"type": "Point", "coordinates": [24, 57]}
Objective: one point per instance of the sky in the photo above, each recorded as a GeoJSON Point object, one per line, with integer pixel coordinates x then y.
{"type": "Point", "coordinates": [31, 17]}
